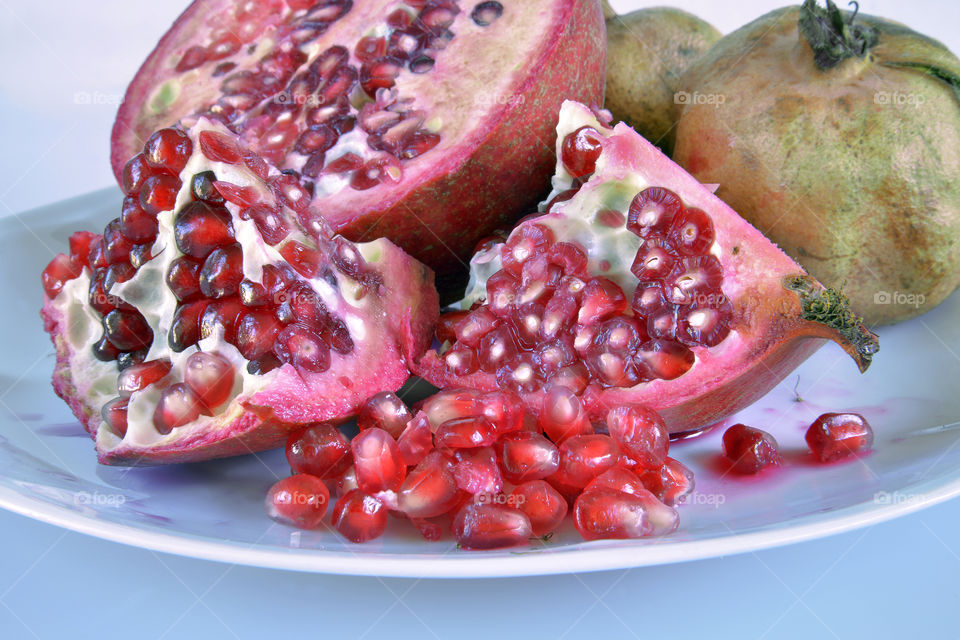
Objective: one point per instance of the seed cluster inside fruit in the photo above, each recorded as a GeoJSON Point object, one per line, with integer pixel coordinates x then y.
{"type": "Point", "coordinates": [548, 320]}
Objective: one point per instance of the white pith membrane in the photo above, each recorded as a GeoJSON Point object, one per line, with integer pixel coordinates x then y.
{"type": "Point", "coordinates": [437, 100]}
{"type": "Point", "coordinates": [147, 291]}
{"type": "Point", "coordinates": [610, 249]}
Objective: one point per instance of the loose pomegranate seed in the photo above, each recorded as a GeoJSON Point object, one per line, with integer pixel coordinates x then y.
{"type": "Point", "coordinates": [135, 223]}
{"type": "Point", "coordinates": [476, 471]}
{"type": "Point", "coordinates": [466, 432]}
{"type": "Point", "coordinates": [617, 479]}
{"type": "Point", "coordinates": [836, 435]}
{"type": "Point", "coordinates": [505, 410]}
{"type": "Point", "coordinates": [460, 360]}
{"type": "Point", "coordinates": [525, 242]}
{"type": "Point", "coordinates": [543, 504]}
{"type": "Point", "coordinates": [219, 147]}
{"type": "Point", "coordinates": [448, 405]}
{"type": "Point", "coordinates": [610, 514]}
{"type": "Point", "coordinates": [652, 211]}
{"type": "Point", "coordinates": [60, 270]}
{"type": "Point", "coordinates": [359, 517]}
{"type": "Point", "coordinates": [178, 405]}
{"type": "Point", "coordinates": [602, 299]}
{"type": "Point", "coordinates": [185, 326]}
{"type": "Point", "coordinates": [584, 457]}
{"type": "Point", "coordinates": [114, 414]}
{"type": "Point", "coordinates": [491, 526]}
{"type": "Point", "coordinates": [141, 376]}
{"type": "Point", "coordinates": [320, 450]}
{"type": "Point", "coordinates": [127, 330]}
{"type": "Point", "coordinates": [692, 232]}
{"type": "Point", "coordinates": [664, 359]}
{"type": "Point", "coordinates": [430, 488]}
{"type": "Point", "coordinates": [168, 149]}
{"type": "Point", "coordinates": [416, 441]}
{"type": "Point", "coordinates": [671, 483]}
{"type": "Point", "coordinates": [580, 150]}
{"type": "Point", "coordinates": [386, 411]}
{"type": "Point", "coordinates": [159, 193]}
{"type": "Point", "coordinates": [641, 433]}
{"type": "Point", "coordinates": [299, 501]}
{"type": "Point", "coordinates": [525, 456]}
{"type": "Point", "coordinates": [199, 228]}
{"type": "Point", "coordinates": [563, 416]}
{"type": "Point", "coordinates": [211, 376]}
{"type": "Point", "coordinates": [346, 483]}
{"type": "Point", "coordinates": [377, 461]}
{"type": "Point", "coordinates": [749, 450]}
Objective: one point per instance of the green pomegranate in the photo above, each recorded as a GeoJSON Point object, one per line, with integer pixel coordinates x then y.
{"type": "Point", "coordinates": [647, 52]}
{"type": "Point", "coordinates": [838, 135]}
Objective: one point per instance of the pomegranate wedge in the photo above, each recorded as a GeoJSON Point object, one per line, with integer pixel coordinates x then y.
{"type": "Point", "coordinates": [206, 322]}
{"type": "Point", "coordinates": [420, 120]}
{"type": "Point", "coordinates": [636, 285]}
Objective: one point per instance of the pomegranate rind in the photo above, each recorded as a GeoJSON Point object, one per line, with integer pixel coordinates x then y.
{"type": "Point", "coordinates": [492, 164]}
{"type": "Point", "coordinates": [781, 316]}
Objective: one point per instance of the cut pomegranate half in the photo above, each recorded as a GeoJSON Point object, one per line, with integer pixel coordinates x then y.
{"type": "Point", "coordinates": [224, 326]}
{"type": "Point", "coordinates": [638, 287]}
{"type": "Point", "coordinates": [421, 120]}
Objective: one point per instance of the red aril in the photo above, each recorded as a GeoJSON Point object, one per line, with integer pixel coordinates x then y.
{"type": "Point", "coordinates": [416, 441]}
{"type": "Point", "coordinates": [466, 432]}
{"type": "Point", "coordinates": [376, 458]}
{"type": "Point", "coordinates": [491, 526]}
{"type": "Point", "coordinates": [386, 411]}
{"type": "Point", "coordinates": [320, 450]}
{"type": "Point", "coordinates": [749, 450]}
{"type": "Point", "coordinates": [476, 471]}
{"type": "Point", "coordinates": [618, 479]}
{"type": "Point", "coordinates": [359, 517]}
{"type": "Point", "coordinates": [563, 415]}
{"type": "Point", "coordinates": [641, 433]}
{"type": "Point", "coordinates": [544, 506]}
{"type": "Point", "coordinates": [607, 513]}
{"type": "Point", "coordinates": [526, 456]}
{"type": "Point", "coordinates": [299, 501]}
{"type": "Point", "coordinates": [582, 458]}
{"type": "Point", "coordinates": [140, 376]}
{"type": "Point", "coordinates": [671, 483]}
{"type": "Point", "coordinates": [836, 435]}
{"type": "Point", "coordinates": [430, 488]}
{"type": "Point", "coordinates": [211, 376]}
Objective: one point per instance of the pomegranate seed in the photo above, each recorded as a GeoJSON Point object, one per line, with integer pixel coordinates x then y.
{"type": "Point", "coordinates": [219, 147]}
{"type": "Point", "coordinates": [476, 471]}
{"type": "Point", "coordinates": [693, 280]}
{"type": "Point", "coordinates": [201, 188]}
{"type": "Point", "coordinates": [692, 232]}
{"type": "Point", "coordinates": [224, 46]}
{"type": "Point", "coordinates": [135, 223]}
{"type": "Point", "coordinates": [374, 172]}
{"type": "Point", "coordinates": [574, 377]}
{"type": "Point", "coordinates": [647, 299]}
{"type": "Point", "coordinates": [104, 351]}
{"type": "Point", "coordinates": [617, 479]}
{"type": "Point", "coordinates": [665, 359]}
{"type": "Point", "coordinates": [298, 501]}
{"type": "Point", "coordinates": [496, 349]}
{"type": "Point", "coordinates": [610, 514]}
{"type": "Point", "coordinates": [302, 348]}
{"type": "Point", "coordinates": [570, 257]}
{"type": "Point", "coordinates": [474, 326]}
{"type": "Point", "coordinates": [141, 376]}
{"type": "Point", "coordinates": [563, 196]}
{"type": "Point", "coordinates": [330, 60]}
{"type": "Point", "coordinates": [386, 411]}
{"type": "Point", "coordinates": [346, 482]}
{"type": "Point", "coordinates": [369, 48]}
{"type": "Point", "coordinates": [185, 326]}
{"type": "Point", "coordinates": [707, 324]}
{"type": "Point", "coordinates": [491, 526]}
{"type": "Point", "coordinates": [429, 530]}
{"type": "Point", "coordinates": [485, 14]}
{"type": "Point", "coordinates": [159, 193]}
{"type": "Point", "coordinates": [501, 292]}
{"type": "Point", "coordinates": [256, 164]}
{"type": "Point", "coordinates": [222, 315]}
{"type": "Point", "coordinates": [80, 243]}
{"type": "Point", "coordinates": [320, 450]}
{"type": "Point", "coordinates": [526, 241]}
{"type": "Point", "coordinates": [580, 150]}
{"type": "Point", "coordinates": [135, 172]}
{"type": "Point", "coordinates": [240, 196]}
{"type": "Point", "coordinates": [652, 211]}
{"type": "Point", "coordinates": [430, 488]}
{"type": "Point", "coordinates": [655, 260]}
{"type": "Point", "coordinates": [505, 410]}
{"type": "Point", "coordinates": [525, 455]}
{"type": "Point", "coordinates": [584, 457]}
{"type": "Point", "coordinates": [192, 58]}
{"type": "Point", "coordinates": [199, 228]}
{"type": "Point", "coordinates": [641, 433]}
{"type": "Point", "coordinates": [602, 299]}
{"type": "Point", "coordinates": [671, 483]}
{"type": "Point", "coordinates": [448, 405]}
{"type": "Point", "coordinates": [305, 260]}
{"type": "Point", "coordinates": [359, 517]}
{"type": "Point", "coordinates": [127, 330]}
{"type": "Point", "coordinates": [116, 246]}
{"type": "Point", "coordinates": [290, 192]}
{"type": "Point", "coordinates": [620, 335]}
{"type": "Point", "coordinates": [446, 325]}
{"type": "Point", "coordinates": [837, 435]}
{"type": "Point", "coordinates": [466, 432]}
{"type": "Point", "coordinates": [256, 333]}
{"type": "Point", "coordinates": [563, 416]}
{"type": "Point", "coordinates": [131, 358]}
{"type": "Point", "coordinates": [178, 405]}
{"type": "Point", "coordinates": [168, 149]}
{"type": "Point", "coordinates": [520, 375]}
{"type": "Point", "coordinates": [114, 414]}
{"type": "Point", "coordinates": [461, 361]}
{"type": "Point", "coordinates": [380, 73]}
{"type": "Point", "coordinates": [211, 376]}
{"type": "Point", "coordinates": [559, 315]}
{"type": "Point", "coordinates": [543, 504]}
{"type": "Point", "coordinates": [662, 323]}
{"type": "Point", "coordinates": [60, 270]}
{"type": "Point", "coordinates": [416, 441]}
{"type": "Point", "coordinates": [377, 461]}
{"type": "Point", "coordinates": [749, 450]}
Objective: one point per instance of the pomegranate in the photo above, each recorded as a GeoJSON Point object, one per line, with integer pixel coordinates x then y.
{"type": "Point", "coordinates": [223, 325]}
{"type": "Point", "coordinates": [636, 285]}
{"type": "Point", "coordinates": [420, 120]}
{"type": "Point", "coordinates": [750, 450]}
{"type": "Point", "coordinates": [836, 435]}
{"type": "Point", "coordinates": [835, 132]}
{"type": "Point", "coordinates": [300, 501]}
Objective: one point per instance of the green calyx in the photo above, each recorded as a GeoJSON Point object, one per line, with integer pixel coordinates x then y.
{"type": "Point", "coordinates": [832, 38]}
{"type": "Point", "coordinates": [831, 308]}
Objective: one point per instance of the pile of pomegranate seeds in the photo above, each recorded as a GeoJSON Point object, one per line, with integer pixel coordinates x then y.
{"type": "Point", "coordinates": [479, 465]}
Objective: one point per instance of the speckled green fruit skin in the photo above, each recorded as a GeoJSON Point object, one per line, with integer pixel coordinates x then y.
{"type": "Point", "coordinates": [647, 52]}
{"type": "Point", "coordinates": [853, 171]}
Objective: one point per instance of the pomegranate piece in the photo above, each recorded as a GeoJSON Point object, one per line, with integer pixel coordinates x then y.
{"type": "Point", "coordinates": [386, 411]}
{"type": "Point", "coordinates": [641, 433]}
{"type": "Point", "coordinates": [430, 488]}
{"type": "Point", "coordinates": [359, 517]}
{"type": "Point", "coordinates": [582, 458]}
{"type": "Point", "coordinates": [299, 501]}
{"type": "Point", "coordinates": [656, 298]}
{"type": "Point", "coordinates": [544, 506]}
{"type": "Point", "coordinates": [319, 450]}
{"type": "Point", "coordinates": [749, 450]}
{"type": "Point", "coordinates": [376, 458]}
{"type": "Point", "coordinates": [837, 435]}
{"type": "Point", "coordinates": [491, 526]}
{"type": "Point", "coordinates": [525, 456]}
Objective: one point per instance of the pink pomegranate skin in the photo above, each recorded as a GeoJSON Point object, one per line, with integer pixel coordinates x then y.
{"type": "Point", "coordinates": [494, 161]}
{"type": "Point", "coordinates": [771, 331]}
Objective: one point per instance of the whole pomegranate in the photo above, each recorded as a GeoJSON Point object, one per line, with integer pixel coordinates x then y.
{"type": "Point", "coordinates": [636, 285]}
{"type": "Point", "coordinates": [206, 321]}
{"type": "Point", "coordinates": [419, 120]}
{"type": "Point", "coordinates": [836, 135]}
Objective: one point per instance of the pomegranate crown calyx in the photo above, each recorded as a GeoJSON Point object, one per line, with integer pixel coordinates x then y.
{"type": "Point", "coordinates": [831, 308]}
{"type": "Point", "coordinates": [833, 38]}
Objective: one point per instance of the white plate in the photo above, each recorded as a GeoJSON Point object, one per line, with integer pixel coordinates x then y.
{"type": "Point", "coordinates": [214, 510]}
